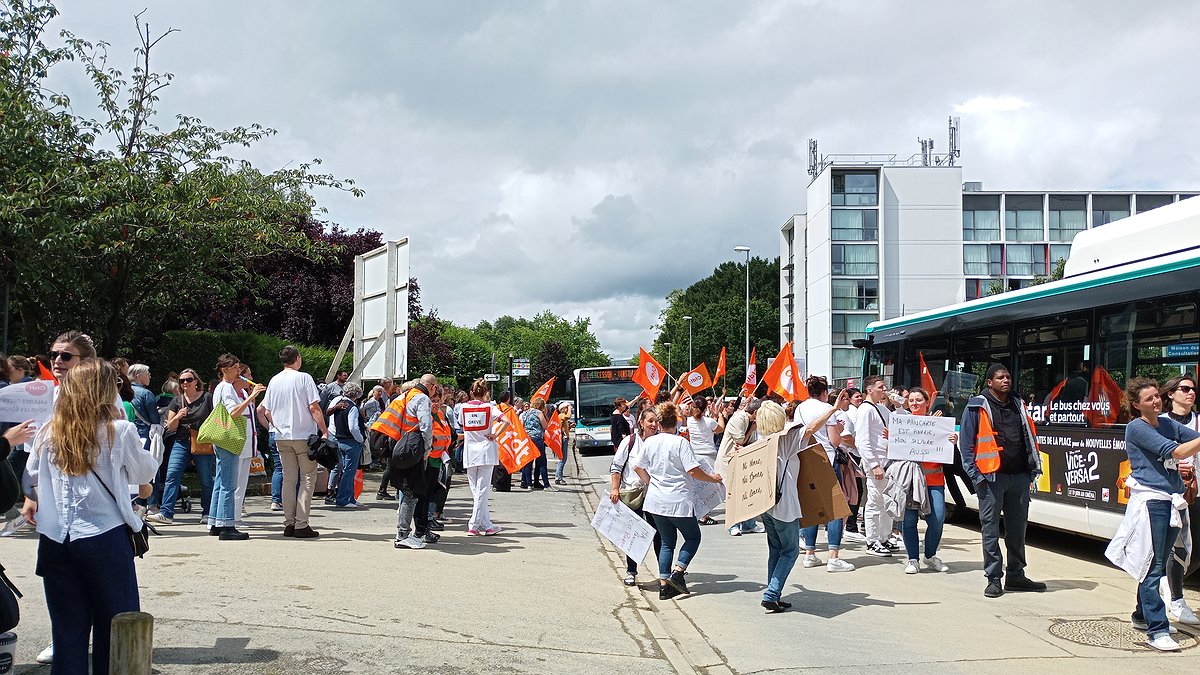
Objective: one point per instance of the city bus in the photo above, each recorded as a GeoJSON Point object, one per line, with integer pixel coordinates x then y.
{"type": "Point", "coordinates": [1126, 307]}
{"type": "Point", "coordinates": [595, 391]}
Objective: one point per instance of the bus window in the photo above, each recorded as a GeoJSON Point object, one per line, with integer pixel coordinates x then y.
{"type": "Point", "coordinates": [1054, 372]}
{"type": "Point", "coordinates": [883, 361]}
{"type": "Point", "coordinates": [1152, 338]}
{"type": "Point", "coordinates": [974, 353]}
{"type": "Point", "coordinates": [936, 354]}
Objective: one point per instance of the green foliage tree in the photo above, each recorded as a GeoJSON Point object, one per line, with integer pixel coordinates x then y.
{"type": "Point", "coordinates": [717, 305]}
{"type": "Point", "coordinates": [551, 361]}
{"type": "Point", "coordinates": [106, 210]}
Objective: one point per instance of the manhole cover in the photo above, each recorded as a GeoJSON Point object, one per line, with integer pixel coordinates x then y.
{"type": "Point", "coordinates": [1110, 632]}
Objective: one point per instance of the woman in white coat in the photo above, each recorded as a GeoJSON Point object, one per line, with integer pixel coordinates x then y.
{"type": "Point", "coordinates": [482, 423]}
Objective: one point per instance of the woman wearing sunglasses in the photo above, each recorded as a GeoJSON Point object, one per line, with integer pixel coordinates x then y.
{"type": "Point", "coordinates": [1179, 402]}
{"type": "Point", "coordinates": [186, 413]}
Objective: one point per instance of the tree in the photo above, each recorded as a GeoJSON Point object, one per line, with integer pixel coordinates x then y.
{"type": "Point", "coordinates": [1056, 273]}
{"type": "Point", "coordinates": [551, 361]}
{"type": "Point", "coordinates": [122, 207]}
{"type": "Point", "coordinates": [428, 349]}
{"type": "Point", "coordinates": [717, 305]}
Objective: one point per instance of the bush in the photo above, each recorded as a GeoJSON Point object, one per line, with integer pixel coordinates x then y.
{"type": "Point", "coordinates": [199, 350]}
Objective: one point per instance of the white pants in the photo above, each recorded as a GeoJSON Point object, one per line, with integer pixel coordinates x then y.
{"type": "Point", "coordinates": [243, 477]}
{"type": "Point", "coordinates": [876, 521]}
{"type": "Point", "coordinates": [480, 478]}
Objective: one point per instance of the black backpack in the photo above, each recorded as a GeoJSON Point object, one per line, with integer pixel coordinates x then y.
{"type": "Point", "coordinates": [408, 451]}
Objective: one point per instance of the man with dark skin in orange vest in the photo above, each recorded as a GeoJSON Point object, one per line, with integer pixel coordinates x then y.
{"type": "Point", "coordinates": [1000, 456]}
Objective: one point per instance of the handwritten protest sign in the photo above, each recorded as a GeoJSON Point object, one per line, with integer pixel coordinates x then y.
{"type": "Point", "coordinates": [750, 481]}
{"type": "Point", "coordinates": [921, 438]}
{"type": "Point", "coordinates": [620, 525]}
{"type": "Point", "coordinates": [706, 496]}
{"type": "Point", "coordinates": [27, 401]}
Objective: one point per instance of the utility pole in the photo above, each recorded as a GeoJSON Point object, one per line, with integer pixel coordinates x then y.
{"type": "Point", "coordinates": [746, 250]}
{"type": "Point", "coordinates": [689, 320]}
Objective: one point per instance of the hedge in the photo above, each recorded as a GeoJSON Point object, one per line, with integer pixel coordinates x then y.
{"type": "Point", "coordinates": [199, 350]}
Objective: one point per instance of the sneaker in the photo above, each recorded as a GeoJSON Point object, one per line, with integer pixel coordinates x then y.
{"type": "Point", "coordinates": [935, 564]}
{"type": "Point", "coordinates": [911, 567]}
{"type": "Point", "coordinates": [894, 541]}
{"type": "Point", "coordinates": [431, 537]}
{"type": "Point", "coordinates": [474, 533]}
{"type": "Point", "coordinates": [838, 565]}
{"type": "Point", "coordinates": [677, 581]}
{"type": "Point", "coordinates": [759, 528]}
{"type": "Point", "coordinates": [385, 496]}
{"type": "Point", "coordinates": [409, 542]}
{"type": "Point", "coordinates": [46, 655]}
{"type": "Point", "coordinates": [630, 580]}
{"type": "Point", "coordinates": [667, 591]}
{"type": "Point", "coordinates": [891, 546]}
{"type": "Point", "coordinates": [159, 519]}
{"type": "Point", "coordinates": [854, 538]}
{"type": "Point", "coordinates": [1140, 624]}
{"type": "Point", "coordinates": [811, 560]}
{"type": "Point", "coordinates": [1179, 611]}
{"type": "Point", "coordinates": [772, 606]}
{"type": "Point", "coordinates": [276, 506]}
{"type": "Point", "coordinates": [330, 501]}
{"type": "Point", "coordinates": [1023, 584]}
{"type": "Point", "coordinates": [994, 589]}
{"type": "Point", "coordinates": [492, 531]}
{"type": "Point", "coordinates": [878, 550]}
{"type": "Point", "coordinates": [735, 531]}
{"type": "Point", "coordinates": [1164, 643]}
{"type": "Point", "coordinates": [351, 505]}
{"type": "Point", "coordinates": [559, 481]}
{"type": "Point", "coordinates": [436, 526]}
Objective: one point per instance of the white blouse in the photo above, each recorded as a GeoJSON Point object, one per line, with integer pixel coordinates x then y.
{"type": "Point", "coordinates": [79, 506]}
{"type": "Point", "coordinates": [668, 458]}
{"type": "Point", "coordinates": [626, 459]}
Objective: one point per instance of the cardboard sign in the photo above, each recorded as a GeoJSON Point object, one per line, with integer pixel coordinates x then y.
{"type": "Point", "coordinates": [821, 497]}
{"type": "Point", "coordinates": [23, 401]}
{"type": "Point", "coordinates": [921, 438]}
{"type": "Point", "coordinates": [705, 496]}
{"type": "Point", "coordinates": [624, 528]}
{"type": "Point", "coordinates": [750, 481]}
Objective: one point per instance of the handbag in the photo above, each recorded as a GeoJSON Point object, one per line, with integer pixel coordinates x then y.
{"type": "Point", "coordinates": [257, 467]}
{"type": "Point", "coordinates": [632, 497]}
{"type": "Point", "coordinates": [199, 448]}
{"type": "Point", "coordinates": [223, 430]}
{"type": "Point", "coordinates": [322, 451]}
{"type": "Point", "coordinates": [1188, 474]}
{"type": "Point", "coordinates": [10, 610]}
{"type": "Point", "coordinates": [138, 539]}
{"type": "Point", "coordinates": [364, 459]}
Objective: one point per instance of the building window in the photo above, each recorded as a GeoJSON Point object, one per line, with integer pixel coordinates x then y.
{"type": "Point", "coordinates": [1023, 218]}
{"type": "Point", "coordinates": [981, 217]}
{"type": "Point", "coordinates": [1149, 202]}
{"type": "Point", "coordinates": [855, 188]}
{"type": "Point", "coordinates": [856, 294]}
{"type": "Point", "coordinates": [849, 327]}
{"type": "Point", "coordinates": [855, 260]}
{"type": "Point", "coordinates": [1109, 208]}
{"type": "Point", "coordinates": [1059, 252]}
{"type": "Point", "coordinates": [979, 288]}
{"type": "Point", "coordinates": [855, 224]}
{"type": "Point", "coordinates": [981, 260]}
{"type": "Point", "coordinates": [1068, 216]}
{"type": "Point", "coordinates": [1025, 260]}
{"type": "Point", "coordinates": [847, 364]}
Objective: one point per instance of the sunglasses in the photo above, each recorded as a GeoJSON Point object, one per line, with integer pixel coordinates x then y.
{"type": "Point", "coordinates": [65, 356]}
{"type": "Point", "coordinates": [1186, 389]}
{"type": "Point", "coordinates": [185, 380]}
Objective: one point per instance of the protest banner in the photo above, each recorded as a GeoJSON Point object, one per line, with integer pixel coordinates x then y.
{"type": "Point", "coordinates": [706, 496]}
{"type": "Point", "coordinates": [24, 401]}
{"type": "Point", "coordinates": [515, 446]}
{"type": "Point", "coordinates": [624, 528]}
{"type": "Point", "coordinates": [750, 481]}
{"type": "Point", "coordinates": [821, 496]}
{"type": "Point", "coordinates": [921, 438]}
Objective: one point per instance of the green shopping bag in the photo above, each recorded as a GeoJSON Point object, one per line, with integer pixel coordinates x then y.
{"type": "Point", "coordinates": [223, 430]}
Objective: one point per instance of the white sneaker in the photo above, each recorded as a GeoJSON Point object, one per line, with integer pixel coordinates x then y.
{"type": "Point", "coordinates": [911, 567]}
{"type": "Point", "coordinates": [1179, 611]}
{"type": "Point", "coordinates": [46, 655]}
{"type": "Point", "coordinates": [735, 531]}
{"type": "Point", "coordinates": [1164, 643]}
{"type": "Point", "coordinates": [276, 506]}
{"type": "Point", "coordinates": [759, 528]}
{"type": "Point", "coordinates": [410, 542]}
{"type": "Point", "coordinates": [894, 541]}
{"type": "Point", "coordinates": [935, 563]}
{"type": "Point", "coordinates": [811, 560]}
{"type": "Point", "coordinates": [160, 519]}
{"type": "Point", "coordinates": [838, 565]}
{"type": "Point", "coordinates": [854, 537]}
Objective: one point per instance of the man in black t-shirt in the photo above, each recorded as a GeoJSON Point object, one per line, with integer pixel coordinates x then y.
{"type": "Point", "coordinates": [619, 426]}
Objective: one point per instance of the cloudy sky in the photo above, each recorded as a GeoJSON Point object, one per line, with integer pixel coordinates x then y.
{"type": "Point", "coordinates": [590, 156]}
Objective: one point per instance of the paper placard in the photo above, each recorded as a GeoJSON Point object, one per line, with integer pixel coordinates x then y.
{"type": "Point", "coordinates": [24, 401]}
{"type": "Point", "coordinates": [706, 496]}
{"type": "Point", "coordinates": [921, 438]}
{"type": "Point", "coordinates": [620, 525]}
{"type": "Point", "coordinates": [750, 481]}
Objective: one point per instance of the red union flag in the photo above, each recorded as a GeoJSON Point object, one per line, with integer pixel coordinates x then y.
{"type": "Point", "coordinates": [751, 382]}
{"type": "Point", "coordinates": [720, 366]}
{"type": "Point", "coordinates": [927, 380]}
{"type": "Point", "coordinates": [783, 377]}
{"type": "Point", "coordinates": [696, 380]}
{"type": "Point", "coordinates": [516, 447]}
{"type": "Point", "coordinates": [650, 374]}
{"type": "Point", "coordinates": [543, 392]}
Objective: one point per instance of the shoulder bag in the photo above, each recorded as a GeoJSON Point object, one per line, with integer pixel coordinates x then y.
{"type": "Point", "coordinates": [138, 539]}
{"type": "Point", "coordinates": [198, 448]}
{"type": "Point", "coordinates": [223, 430]}
{"type": "Point", "coordinates": [10, 610]}
{"type": "Point", "coordinates": [632, 497]}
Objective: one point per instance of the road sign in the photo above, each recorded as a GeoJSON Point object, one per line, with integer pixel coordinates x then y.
{"type": "Point", "coordinates": [491, 377]}
{"type": "Point", "coordinates": [520, 367]}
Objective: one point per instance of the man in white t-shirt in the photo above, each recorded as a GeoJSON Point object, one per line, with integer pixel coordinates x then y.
{"type": "Point", "coordinates": [870, 439]}
{"type": "Point", "coordinates": [292, 407]}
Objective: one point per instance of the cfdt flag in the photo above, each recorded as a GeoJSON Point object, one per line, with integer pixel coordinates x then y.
{"type": "Point", "coordinates": [720, 366]}
{"type": "Point", "coordinates": [650, 374]}
{"type": "Point", "coordinates": [927, 380]}
{"type": "Point", "coordinates": [751, 382]}
{"type": "Point", "coordinates": [783, 377]}
{"type": "Point", "coordinates": [554, 441]}
{"type": "Point", "coordinates": [696, 380]}
{"type": "Point", "coordinates": [544, 391]}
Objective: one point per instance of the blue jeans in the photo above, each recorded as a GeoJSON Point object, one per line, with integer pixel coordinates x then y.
{"type": "Point", "coordinates": [342, 476]}
{"type": "Point", "coordinates": [531, 471]}
{"type": "Point", "coordinates": [669, 527]}
{"type": "Point", "coordinates": [1150, 607]}
{"type": "Point", "coordinates": [562, 463]}
{"type": "Point", "coordinates": [276, 471]}
{"type": "Point", "coordinates": [833, 532]}
{"type": "Point", "coordinates": [783, 548]}
{"type": "Point", "coordinates": [933, 525]}
{"type": "Point", "coordinates": [221, 509]}
{"type": "Point", "coordinates": [181, 455]}
{"type": "Point", "coordinates": [87, 582]}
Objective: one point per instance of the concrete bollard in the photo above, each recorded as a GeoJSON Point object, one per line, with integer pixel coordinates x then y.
{"type": "Point", "coordinates": [131, 645]}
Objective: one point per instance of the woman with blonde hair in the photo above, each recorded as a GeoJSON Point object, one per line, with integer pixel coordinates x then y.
{"type": "Point", "coordinates": [184, 416]}
{"type": "Point", "coordinates": [79, 467]}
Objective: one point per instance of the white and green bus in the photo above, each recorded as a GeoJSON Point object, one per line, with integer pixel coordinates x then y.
{"type": "Point", "coordinates": [1126, 307]}
{"type": "Point", "coordinates": [595, 391]}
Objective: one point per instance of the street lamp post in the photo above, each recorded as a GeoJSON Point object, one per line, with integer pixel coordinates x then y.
{"type": "Point", "coordinates": [746, 250]}
{"type": "Point", "coordinates": [668, 344]}
{"type": "Point", "coordinates": [689, 320]}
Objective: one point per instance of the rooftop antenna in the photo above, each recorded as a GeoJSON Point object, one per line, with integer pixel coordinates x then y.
{"type": "Point", "coordinates": [926, 150]}
{"type": "Point", "coordinates": [954, 151]}
{"type": "Point", "coordinates": [814, 160]}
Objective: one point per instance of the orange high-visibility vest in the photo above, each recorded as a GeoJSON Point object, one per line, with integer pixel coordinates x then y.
{"type": "Point", "coordinates": [396, 420]}
{"type": "Point", "coordinates": [441, 436]}
{"type": "Point", "coordinates": [933, 474]}
{"type": "Point", "coordinates": [987, 450]}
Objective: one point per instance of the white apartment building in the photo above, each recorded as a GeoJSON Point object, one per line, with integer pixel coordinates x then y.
{"type": "Point", "coordinates": [884, 237]}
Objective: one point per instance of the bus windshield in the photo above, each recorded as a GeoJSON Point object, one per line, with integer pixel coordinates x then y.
{"type": "Point", "coordinates": [597, 388]}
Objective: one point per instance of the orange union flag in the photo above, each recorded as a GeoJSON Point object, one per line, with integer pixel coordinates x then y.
{"type": "Point", "coordinates": [515, 445]}
{"type": "Point", "coordinates": [697, 380]}
{"type": "Point", "coordinates": [544, 391]}
{"type": "Point", "coordinates": [783, 377]}
{"type": "Point", "coordinates": [554, 435]}
{"type": "Point", "coordinates": [751, 382]}
{"type": "Point", "coordinates": [650, 374]}
{"type": "Point", "coordinates": [720, 366]}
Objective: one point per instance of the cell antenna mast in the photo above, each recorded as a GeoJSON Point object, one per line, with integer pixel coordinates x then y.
{"type": "Point", "coordinates": [926, 150]}
{"type": "Point", "coordinates": [814, 160]}
{"type": "Point", "coordinates": [954, 151]}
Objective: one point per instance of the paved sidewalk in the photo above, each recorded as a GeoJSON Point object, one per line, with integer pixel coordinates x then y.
{"type": "Point", "coordinates": [538, 598]}
{"type": "Point", "coordinates": [929, 622]}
